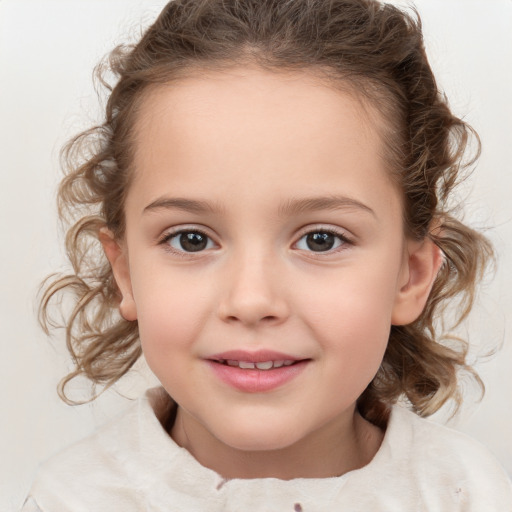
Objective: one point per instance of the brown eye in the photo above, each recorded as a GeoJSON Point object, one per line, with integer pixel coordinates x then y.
{"type": "Point", "coordinates": [189, 241]}
{"type": "Point", "coordinates": [320, 241]}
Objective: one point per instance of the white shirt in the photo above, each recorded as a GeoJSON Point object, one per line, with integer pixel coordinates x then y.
{"type": "Point", "coordinates": [133, 465]}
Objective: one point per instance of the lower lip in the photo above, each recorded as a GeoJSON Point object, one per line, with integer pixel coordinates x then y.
{"type": "Point", "coordinates": [257, 381]}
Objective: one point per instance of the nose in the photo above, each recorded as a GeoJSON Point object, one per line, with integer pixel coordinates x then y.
{"type": "Point", "coordinates": [253, 292]}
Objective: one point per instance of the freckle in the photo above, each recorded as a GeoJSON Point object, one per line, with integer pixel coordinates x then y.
{"type": "Point", "coordinates": [297, 507]}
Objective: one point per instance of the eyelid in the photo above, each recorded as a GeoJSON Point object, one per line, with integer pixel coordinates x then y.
{"type": "Point", "coordinates": [341, 233]}
{"type": "Point", "coordinates": [182, 228]}
{"type": "Point", "coordinates": [327, 228]}
{"type": "Point", "coordinates": [170, 233]}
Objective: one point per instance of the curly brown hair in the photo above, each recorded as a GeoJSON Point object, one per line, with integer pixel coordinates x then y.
{"type": "Point", "coordinates": [370, 46]}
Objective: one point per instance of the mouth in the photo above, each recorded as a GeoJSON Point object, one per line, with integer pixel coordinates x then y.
{"type": "Point", "coordinates": [260, 365]}
{"type": "Point", "coordinates": [254, 372]}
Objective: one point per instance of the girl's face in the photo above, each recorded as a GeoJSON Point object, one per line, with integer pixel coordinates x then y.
{"type": "Point", "coordinates": [262, 229]}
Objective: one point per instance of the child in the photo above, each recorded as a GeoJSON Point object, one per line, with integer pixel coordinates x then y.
{"type": "Point", "coordinates": [270, 189]}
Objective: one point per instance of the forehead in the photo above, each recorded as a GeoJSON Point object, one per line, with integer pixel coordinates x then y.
{"type": "Point", "coordinates": [246, 124]}
{"type": "Point", "coordinates": [256, 99]}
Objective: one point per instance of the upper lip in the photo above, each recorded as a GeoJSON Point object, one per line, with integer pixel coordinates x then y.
{"type": "Point", "coordinates": [259, 356]}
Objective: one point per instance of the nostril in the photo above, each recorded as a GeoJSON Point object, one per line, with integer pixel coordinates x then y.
{"type": "Point", "coordinates": [266, 319]}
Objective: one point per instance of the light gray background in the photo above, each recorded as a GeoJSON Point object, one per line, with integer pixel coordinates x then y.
{"type": "Point", "coordinates": [47, 51]}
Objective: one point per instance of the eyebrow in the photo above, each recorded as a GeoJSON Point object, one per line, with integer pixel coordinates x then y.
{"type": "Point", "coordinates": [289, 208]}
{"type": "Point", "coordinates": [179, 203]}
{"type": "Point", "coordinates": [295, 206]}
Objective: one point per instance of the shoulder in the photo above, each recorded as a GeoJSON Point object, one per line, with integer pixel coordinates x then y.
{"type": "Point", "coordinates": [447, 446]}
{"type": "Point", "coordinates": [100, 471]}
{"type": "Point", "coordinates": [447, 465]}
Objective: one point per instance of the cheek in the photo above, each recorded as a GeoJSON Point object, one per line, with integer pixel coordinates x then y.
{"type": "Point", "coordinates": [351, 319]}
{"type": "Point", "coordinates": [354, 348]}
{"type": "Point", "coordinates": [356, 299]}
{"type": "Point", "coordinates": [358, 335]}
{"type": "Point", "coordinates": [170, 314]}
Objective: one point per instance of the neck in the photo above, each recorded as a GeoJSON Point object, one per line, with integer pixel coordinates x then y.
{"type": "Point", "coordinates": [344, 445]}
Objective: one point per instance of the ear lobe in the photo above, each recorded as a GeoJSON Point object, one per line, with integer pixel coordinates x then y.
{"type": "Point", "coordinates": [422, 263]}
{"type": "Point", "coordinates": [116, 255]}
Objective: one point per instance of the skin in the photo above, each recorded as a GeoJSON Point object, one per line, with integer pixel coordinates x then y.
{"type": "Point", "coordinates": [250, 142]}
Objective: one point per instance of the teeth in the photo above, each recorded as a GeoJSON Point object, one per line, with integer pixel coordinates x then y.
{"type": "Point", "coordinates": [264, 365]}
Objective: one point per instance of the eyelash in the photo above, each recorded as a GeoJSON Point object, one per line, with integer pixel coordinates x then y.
{"type": "Point", "coordinates": [341, 236]}
{"type": "Point", "coordinates": [167, 237]}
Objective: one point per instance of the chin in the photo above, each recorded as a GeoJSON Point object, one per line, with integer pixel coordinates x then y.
{"type": "Point", "coordinates": [258, 437]}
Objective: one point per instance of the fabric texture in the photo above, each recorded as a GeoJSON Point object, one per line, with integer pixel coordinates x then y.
{"type": "Point", "coordinates": [133, 465]}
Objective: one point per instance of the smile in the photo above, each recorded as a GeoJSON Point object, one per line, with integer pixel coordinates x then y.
{"type": "Point", "coordinates": [263, 365]}
{"type": "Point", "coordinates": [256, 372]}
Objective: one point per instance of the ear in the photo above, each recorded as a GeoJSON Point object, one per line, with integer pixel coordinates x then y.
{"type": "Point", "coordinates": [422, 261]}
{"type": "Point", "coordinates": [116, 255]}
